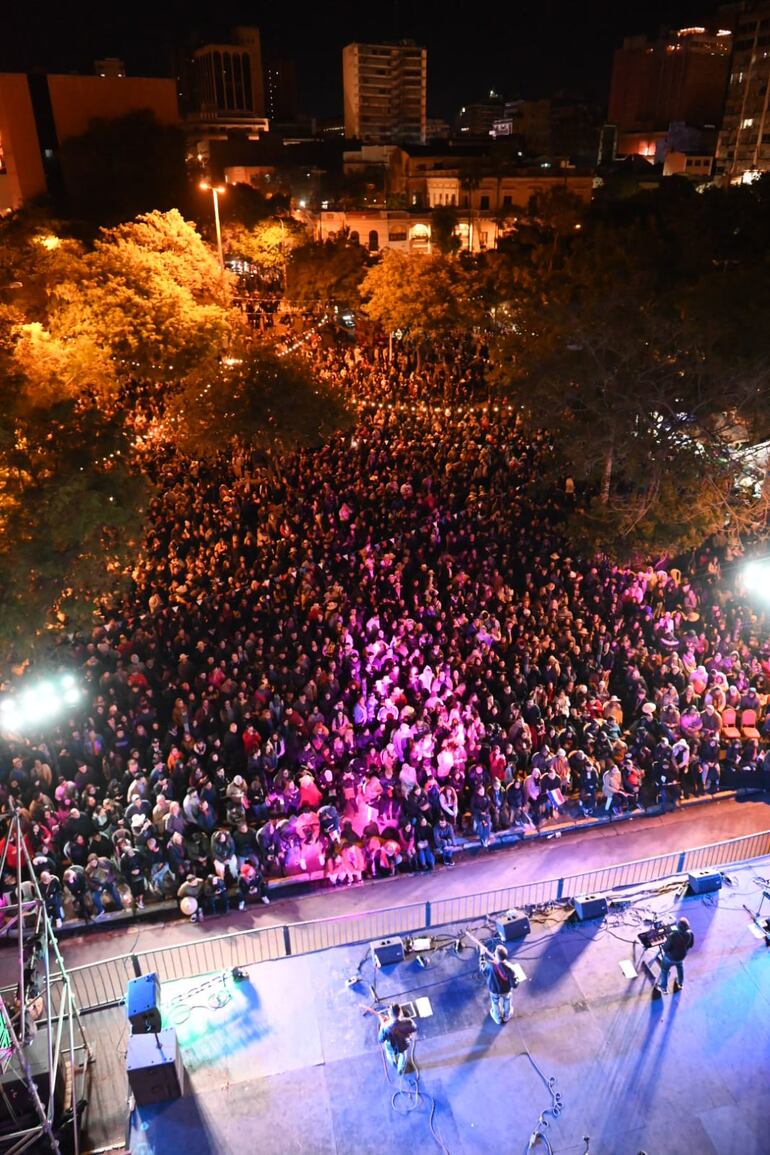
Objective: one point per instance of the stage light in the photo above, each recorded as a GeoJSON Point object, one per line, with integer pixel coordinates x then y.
{"type": "Point", "coordinates": [756, 576]}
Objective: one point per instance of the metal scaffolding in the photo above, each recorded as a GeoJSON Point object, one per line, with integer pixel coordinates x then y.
{"type": "Point", "coordinates": [43, 1002]}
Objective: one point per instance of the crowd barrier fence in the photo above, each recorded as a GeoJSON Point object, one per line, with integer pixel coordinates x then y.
{"type": "Point", "coordinates": [103, 984]}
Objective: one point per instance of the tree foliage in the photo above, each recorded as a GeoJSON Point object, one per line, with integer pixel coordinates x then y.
{"type": "Point", "coordinates": [262, 398]}
{"type": "Point", "coordinates": [331, 271]}
{"type": "Point", "coordinates": [619, 353]}
{"type": "Point", "coordinates": [420, 293]}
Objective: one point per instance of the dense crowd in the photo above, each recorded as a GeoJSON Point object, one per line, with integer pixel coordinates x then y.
{"type": "Point", "coordinates": [348, 658]}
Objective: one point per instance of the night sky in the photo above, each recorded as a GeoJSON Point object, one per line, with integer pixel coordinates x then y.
{"type": "Point", "coordinates": [525, 47]}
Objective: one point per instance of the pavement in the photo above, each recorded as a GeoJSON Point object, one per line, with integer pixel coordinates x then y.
{"type": "Point", "coordinates": [606, 844]}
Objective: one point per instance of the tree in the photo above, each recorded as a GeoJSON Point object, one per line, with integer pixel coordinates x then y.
{"type": "Point", "coordinates": [419, 293]}
{"type": "Point", "coordinates": [443, 223]}
{"type": "Point", "coordinates": [260, 398]}
{"type": "Point", "coordinates": [268, 244]}
{"type": "Point", "coordinates": [151, 296]}
{"type": "Point", "coordinates": [631, 396]}
{"type": "Point", "coordinates": [327, 272]}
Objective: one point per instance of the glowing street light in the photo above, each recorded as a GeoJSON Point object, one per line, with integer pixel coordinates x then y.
{"type": "Point", "coordinates": [215, 190]}
{"type": "Point", "coordinates": [38, 703]}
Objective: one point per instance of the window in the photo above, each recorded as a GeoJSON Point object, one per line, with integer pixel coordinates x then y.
{"type": "Point", "coordinates": [484, 201]}
{"type": "Point", "coordinates": [374, 241]}
{"type": "Point", "coordinates": [507, 201]}
{"type": "Point", "coordinates": [747, 122]}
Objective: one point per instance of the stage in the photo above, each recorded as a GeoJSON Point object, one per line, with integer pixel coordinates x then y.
{"type": "Point", "coordinates": [289, 1062]}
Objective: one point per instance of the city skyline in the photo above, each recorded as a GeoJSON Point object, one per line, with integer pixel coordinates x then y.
{"type": "Point", "coordinates": [465, 58]}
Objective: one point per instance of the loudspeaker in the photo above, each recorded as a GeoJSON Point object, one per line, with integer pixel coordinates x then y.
{"type": "Point", "coordinates": [387, 951]}
{"type": "Point", "coordinates": [512, 925]}
{"type": "Point", "coordinates": [154, 1067]}
{"type": "Point", "coordinates": [17, 1109]}
{"type": "Point", "coordinates": [590, 906]}
{"type": "Point", "coordinates": [142, 999]}
{"type": "Point", "coordinates": [704, 881]}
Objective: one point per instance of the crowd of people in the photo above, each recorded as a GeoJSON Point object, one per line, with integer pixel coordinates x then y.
{"type": "Point", "coordinates": [350, 658]}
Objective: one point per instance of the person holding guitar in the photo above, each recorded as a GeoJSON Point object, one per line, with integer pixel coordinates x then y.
{"type": "Point", "coordinates": [395, 1036]}
{"type": "Point", "coordinates": [500, 978]}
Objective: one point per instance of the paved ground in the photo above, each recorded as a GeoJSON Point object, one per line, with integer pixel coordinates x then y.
{"type": "Point", "coordinates": [692, 826]}
{"type": "Point", "coordinates": [289, 1064]}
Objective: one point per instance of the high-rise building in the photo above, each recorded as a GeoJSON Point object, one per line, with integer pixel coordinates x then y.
{"type": "Point", "coordinates": [281, 90]}
{"type": "Point", "coordinates": [744, 142]}
{"type": "Point", "coordinates": [679, 77]}
{"type": "Point", "coordinates": [228, 79]}
{"type": "Point", "coordinates": [385, 92]}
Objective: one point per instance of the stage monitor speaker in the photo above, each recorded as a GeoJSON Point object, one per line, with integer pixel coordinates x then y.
{"type": "Point", "coordinates": [590, 906]}
{"type": "Point", "coordinates": [704, 881]}
{"type": "Point", "coordinates": [512, 925]}
{"type": "Point", "coordinates": [155, 1068]}
{"type": "Point", "coordinates": [387, 951]}
{"type": "Point", "coordinates": [142, 1004]}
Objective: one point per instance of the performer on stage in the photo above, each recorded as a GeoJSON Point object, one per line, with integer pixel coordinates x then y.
{"type": "Point", "coordinates": [395, 1036]}
{"type": "Point", "coordinates": [672, 954]}
{"type": "Point", "coordinates": [501, 982]}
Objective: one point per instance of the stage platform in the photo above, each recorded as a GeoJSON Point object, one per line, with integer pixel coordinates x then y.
{"type": "Point", "coordinates": [290, 1064]}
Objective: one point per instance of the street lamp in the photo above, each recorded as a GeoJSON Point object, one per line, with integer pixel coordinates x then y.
{"type": "Point", "coordinates": [215, 190]}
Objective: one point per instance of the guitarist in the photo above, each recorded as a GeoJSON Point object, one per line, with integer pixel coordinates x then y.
{"type": "Point", "coordinates": [501, 982]}
{"type": "Point", "coordinates": [395, 1036]}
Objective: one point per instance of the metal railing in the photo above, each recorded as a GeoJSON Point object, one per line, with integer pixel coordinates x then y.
{"type": "Point", "coordinates": [103, 984]}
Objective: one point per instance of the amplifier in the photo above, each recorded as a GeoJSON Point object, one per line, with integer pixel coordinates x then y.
{"type": "Point", "coordinates": [154, 1067]}
{"type": "Point", "coordinates": [590, 906]}
{"type": "Point", "coordinates": [142, 1004]}
{"type": "Point", "coordinates": [387, 951]}
{"type": "Point", "coordinates": [512, 925]}
{"type": "Point", "coordinates": [704, 881]}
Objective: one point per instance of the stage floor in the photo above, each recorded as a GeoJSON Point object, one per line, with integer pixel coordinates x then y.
{"type": "Point", "coordinates": [289, 1063]}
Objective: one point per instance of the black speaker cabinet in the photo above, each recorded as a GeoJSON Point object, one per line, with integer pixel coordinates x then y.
{"type": "Point", "coordinates": [155, 1068]}
{"type": "Point", "coordinates": [17, 1110]}
{"type": "Point", "coordinates": [512, 925]}
{"type": "Point", "coordinates": [143, 1004]}
{"type": "Point", "coordinates": [590, 906]}
{"type": "Point", "coordinates": [387, 951]}
{"type": "Point", "coordinates": [704, 881]}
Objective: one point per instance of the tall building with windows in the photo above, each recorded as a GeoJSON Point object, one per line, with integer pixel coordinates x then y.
{"type": "Point", "coordinates": [228, 79]}
{"type": "Point", "coordinates": [744, 142]}
{"type": "Point", "coordinates": [385, 92]}
{"type": "Point", "coordinates": [680, 77]}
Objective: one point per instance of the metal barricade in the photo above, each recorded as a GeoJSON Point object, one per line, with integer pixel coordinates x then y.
{"type": "Point", "coordinates": [608, 878]}
{"type": "Point", "coordinates": [729, 852]}
{"type": "Point", "coordinates": [103, 984]}
{"type": "Point", "coordinates": [321, 934]}
{"type": "Point", "coordinates": [468, 907]}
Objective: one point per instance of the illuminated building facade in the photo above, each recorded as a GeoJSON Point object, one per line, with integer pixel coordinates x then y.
{"type": "Point", "coordinates": [744, 142]}
{"type": "Point", "coordinates": [385, 92]}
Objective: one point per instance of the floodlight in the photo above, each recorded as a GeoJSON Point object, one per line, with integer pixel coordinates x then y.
{"type": "Point", "coordinates": [756, 576]}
